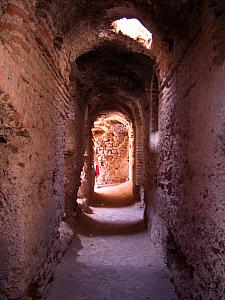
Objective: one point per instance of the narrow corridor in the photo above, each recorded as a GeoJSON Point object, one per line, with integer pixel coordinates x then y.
{"type": "Point", "coordinates": [112, 257]}
{"type": "Point", "coordinates": [115, 108]}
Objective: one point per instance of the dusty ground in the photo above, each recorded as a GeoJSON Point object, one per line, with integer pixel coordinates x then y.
{"type": "Point", "coordinates": [113, 195]}
{"type": "Point", "coordinates": [112, 258]}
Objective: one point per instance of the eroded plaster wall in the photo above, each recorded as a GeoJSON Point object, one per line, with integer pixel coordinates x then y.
{"type": "Point", "coordinates": [188, 185]}
{"type": "Point", "coordinates": [33, 99]}
{"type": "Point", "coordinates": [73, 152]}
{"type": "Point", "coordinates": [186, 182]}
{"type": "Point", "coordinates": [111, 142]}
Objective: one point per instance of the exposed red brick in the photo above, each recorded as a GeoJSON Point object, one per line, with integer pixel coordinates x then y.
{"type": "Point", "coordinates": [1, 80]}
{"type": "Point", "coordinates": [44, 33]}
{"type": "Point", "coordinates": [19, 41]}
{"type": "Point", "coordinates": [13, 9]}
{"type": "Point", "coordinates": [58, 77]}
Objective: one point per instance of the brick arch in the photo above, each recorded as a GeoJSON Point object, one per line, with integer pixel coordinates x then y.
{"type": "Point", "coordinates": [35, 64]}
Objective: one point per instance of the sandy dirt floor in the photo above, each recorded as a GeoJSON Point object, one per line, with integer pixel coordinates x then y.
{"type": "Point", "coordinates": [112, 256]}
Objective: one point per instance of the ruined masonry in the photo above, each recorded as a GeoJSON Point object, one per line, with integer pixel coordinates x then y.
{"type": "Point", "coordinates": [151, 110]}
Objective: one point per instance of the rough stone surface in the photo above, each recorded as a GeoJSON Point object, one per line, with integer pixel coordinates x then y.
{"type": "Point", "coordinates": [39, 288]}
{"type": "Point", "coordinates": [61, 65]}
{"type": "Point", "coordinates": [111, 141]}
{"type": "Point", "coordinates": [188, 195]}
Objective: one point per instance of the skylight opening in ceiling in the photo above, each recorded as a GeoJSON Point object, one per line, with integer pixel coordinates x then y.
{"type": "Point", "coordinates": [135, 30]}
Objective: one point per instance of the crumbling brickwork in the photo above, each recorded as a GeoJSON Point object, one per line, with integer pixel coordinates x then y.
{"type": "Point", "coordinates": [60, 67]}
{"type": "Point", "coordinates": [33, 91]}
{"type": "Point", "coordinates": [188, 195]}
{"type": "Point", "coordinates": [111, 150]}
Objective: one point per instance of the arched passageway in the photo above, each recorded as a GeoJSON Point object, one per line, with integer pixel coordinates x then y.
{"type": "Point", "coordinates": [111, 150]}
{"type": "Point", "coordinates": [62, 65]}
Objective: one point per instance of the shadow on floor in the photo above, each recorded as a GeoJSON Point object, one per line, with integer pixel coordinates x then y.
{"type": "Point", "coordinates": [112, 257]}
{"type": "Point", "coordinates": [100, 200]}
{"type": "Point", "coordinates": [107, 282]}
{"type": "Point", "coordinates": [88, 226]}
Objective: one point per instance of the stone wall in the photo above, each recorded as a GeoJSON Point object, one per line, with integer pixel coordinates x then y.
{"type": "Point", "coordinates": [111, 143]}
{"type": "Point", "coordinates": [186, 207]}
{"type": "Point", "coordinates": [37, 137]}
{"type": "Point", "coordinates": [33, 101]}
{"type": "Point", "coordinates": [73, 152]}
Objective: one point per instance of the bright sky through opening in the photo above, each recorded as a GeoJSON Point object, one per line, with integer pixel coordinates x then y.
{"type": "Point", "coordinates": [134, 29]}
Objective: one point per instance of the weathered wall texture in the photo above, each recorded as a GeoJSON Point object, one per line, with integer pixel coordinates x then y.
{"type": "Point", "coordinates": [33, 98]}
{"type": "Point", "coordinates": [38, 135]}
{"type": "Point", "coordinates": [111, 148]}
{"type": "Point", "coordinates": [73, 152]}
{"type": "Point", "coordinates": [189, 196]}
